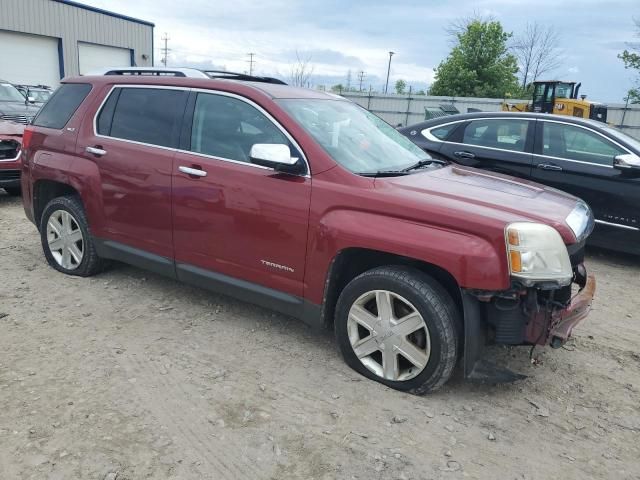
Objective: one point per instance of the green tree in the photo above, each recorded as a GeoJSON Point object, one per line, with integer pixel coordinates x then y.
{"type": "Point", "coordinates": [479, 64]}
{"type": "Point", "coordinates": [339, 88]}
{"type": "Point", "coordinates": [400, 86]}
{"type": "Point", "coordinates": [631, 60]}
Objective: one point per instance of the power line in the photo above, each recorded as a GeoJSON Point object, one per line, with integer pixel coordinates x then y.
{"type": "Point", "coordinates": [361, 75]}
{"type": "Point", "coordinates": [251, 61]}
{"type": "Point", "coordinates": [165, 50]}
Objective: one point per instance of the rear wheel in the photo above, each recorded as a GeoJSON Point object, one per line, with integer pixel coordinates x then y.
{"type": "Point", "coordinates": [398, 326]}
{"type": "Point", "coordinates": [66, 240]}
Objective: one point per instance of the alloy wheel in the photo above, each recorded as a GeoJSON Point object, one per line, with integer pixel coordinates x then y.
{"type": "Point", "coordinates": [388, 335]}
{"type": "Point", "coordinates": [65, 239]}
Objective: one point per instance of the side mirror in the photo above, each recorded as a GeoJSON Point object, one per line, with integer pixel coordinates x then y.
{"type": "Point", "coordinates": [276, 156]}
{"type": "Point", "coordinates": [31, 100]}
{"type": "Point", "coordinates": [627, 162]}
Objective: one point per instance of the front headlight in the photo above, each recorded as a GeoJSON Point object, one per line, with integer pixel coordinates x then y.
{"type": "Point", "coordinates": [537, 254]}
{"type": "Point", "coordinates": [580, 220]}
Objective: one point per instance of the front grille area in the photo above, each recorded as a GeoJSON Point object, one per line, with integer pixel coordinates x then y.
{"type": "Point", "coordinates": [17, 118]}
{"type": "Point", "coordinates": [9, 175]}
{"type": "Point", "coordinates": [9, 149]}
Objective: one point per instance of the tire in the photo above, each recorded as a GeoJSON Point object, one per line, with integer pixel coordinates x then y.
{"type": "Point", "coordinates": [13, 191]}
{"type": "Point", "coordinates": [409, 290]}
{"type": "Point", "coordinates": [71, 209]}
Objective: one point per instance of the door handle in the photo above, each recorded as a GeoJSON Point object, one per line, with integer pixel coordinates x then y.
{"type": "Point", "coordinates": [192, 171]}
{"type": "Point", "coordinates": [550, 166]}
{"type": "Point", "coordinates": [96, 151]}
{"type": "Point", "coordinates": [464, 154]}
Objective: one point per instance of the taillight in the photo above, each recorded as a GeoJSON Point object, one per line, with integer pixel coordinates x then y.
{"type": "Point", "coordinates": [26, 137]}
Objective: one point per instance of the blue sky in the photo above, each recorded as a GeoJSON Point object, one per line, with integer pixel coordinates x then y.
{"type": "Point", "coordinates": [355, 35]}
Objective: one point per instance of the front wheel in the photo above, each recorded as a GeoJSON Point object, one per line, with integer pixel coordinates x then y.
{"type": "Point", "coordinates": [398, 326]}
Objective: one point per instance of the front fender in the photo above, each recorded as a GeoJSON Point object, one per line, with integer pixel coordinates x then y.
{"type": "Point", "coordinates": [473, 261]}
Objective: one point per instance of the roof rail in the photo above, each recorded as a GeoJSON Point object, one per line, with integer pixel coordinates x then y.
{"type": "Point", "coordinates": [242, 76]}
{"type": "Point", "coordinates": [153, 71]}
{"type": "Point", "coordinates": [185, 72]}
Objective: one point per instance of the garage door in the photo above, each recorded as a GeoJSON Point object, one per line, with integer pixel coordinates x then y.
{"type": "Point", "coordinates": [29, 59]}
{"type": "Point", "coordinates": [97, 57]}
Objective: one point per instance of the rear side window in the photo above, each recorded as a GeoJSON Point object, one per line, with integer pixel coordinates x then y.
{"type": "Point", "coordinates": [62, 105]}
{"type": "Point", "coordinates": [506, 134]}
{"type": "Point", "coordinates": [146, 115]}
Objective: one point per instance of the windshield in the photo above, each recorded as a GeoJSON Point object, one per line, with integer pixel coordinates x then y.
{"type": "Point", "coordinates": [40, 95]}
{"type": "Point", "coordinates": [9, 93]}
{"type": "Point", "coordinates": [619, 135]}
{"type": "Point", "coordinates": [355, 138]}
{"type": "Point", "coordinates": [564, 90]}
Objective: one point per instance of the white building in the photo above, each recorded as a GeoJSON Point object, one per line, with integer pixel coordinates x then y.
{"type": "Point", "coordinates": [42, 41]}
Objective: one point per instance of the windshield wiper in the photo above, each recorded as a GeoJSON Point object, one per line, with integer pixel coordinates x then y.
{"type": "Point", "coordinates": [424, 163]}
{"type": "Point", "coordinates": [384, 173]}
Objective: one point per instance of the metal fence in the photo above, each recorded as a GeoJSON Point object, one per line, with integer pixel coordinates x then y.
{"type": "Point", "coordinates": [409, 109]}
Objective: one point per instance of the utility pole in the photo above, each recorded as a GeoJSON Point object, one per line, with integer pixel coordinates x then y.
{"type": "Point", "coordinates": [386, 87]}
{"type": "Point", "coordinates": [165, 50]}
{"type": "Point", "coordinates": [251, 61]}
{"type": "Point", "coordinates": [361, 75]}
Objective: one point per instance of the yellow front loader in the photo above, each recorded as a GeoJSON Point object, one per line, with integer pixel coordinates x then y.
{"type": "Point", "coordinates": [559, 98]}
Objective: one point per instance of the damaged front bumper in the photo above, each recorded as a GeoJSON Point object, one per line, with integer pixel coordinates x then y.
{"type": "Point", "coordinates": [529, 316]}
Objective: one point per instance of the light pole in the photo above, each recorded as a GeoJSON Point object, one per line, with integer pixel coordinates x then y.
{"type": "Point", "coordinates": [386, 87]}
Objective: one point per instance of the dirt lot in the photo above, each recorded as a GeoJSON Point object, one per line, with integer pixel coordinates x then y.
{"type": "Point", "coordinates": [128, 375]}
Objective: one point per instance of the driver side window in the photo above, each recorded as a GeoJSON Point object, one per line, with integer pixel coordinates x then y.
{"type": "Point", "coordinates": [576, 143]}
{"type": "Point", "coordinates": [226, 127]}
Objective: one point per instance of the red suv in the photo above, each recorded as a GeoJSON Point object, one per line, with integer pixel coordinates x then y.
{"type": "Point", "coordinates": [306, 203]}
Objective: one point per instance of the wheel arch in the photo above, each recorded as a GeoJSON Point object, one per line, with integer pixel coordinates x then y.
{"type": "Point", "coordinates": [45, 190]}
{"type": "Point", "coordinates": [351, 262]}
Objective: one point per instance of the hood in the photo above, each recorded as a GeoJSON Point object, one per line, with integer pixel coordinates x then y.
{"type": "Point", "coordinates": [18, 108]}
{"type": "Point", "coordinates": [487, 197]}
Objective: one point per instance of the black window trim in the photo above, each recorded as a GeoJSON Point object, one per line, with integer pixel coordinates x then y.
{"type": "Point", "coordinates": [539, 143]}
{"type": "Point", "coordinates": [188, 115]}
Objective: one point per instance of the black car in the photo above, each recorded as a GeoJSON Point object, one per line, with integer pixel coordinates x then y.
{"type": "Point", "coordinates": [588, 159]}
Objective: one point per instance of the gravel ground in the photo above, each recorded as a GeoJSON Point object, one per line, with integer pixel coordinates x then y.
{"type": "Point", "coordinates": [128, 375]}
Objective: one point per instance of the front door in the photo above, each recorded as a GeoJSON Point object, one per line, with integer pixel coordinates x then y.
{"type": "Point", "coordinates": [579, 161]}
{"type": "Point", "coordinates": [237, 224]}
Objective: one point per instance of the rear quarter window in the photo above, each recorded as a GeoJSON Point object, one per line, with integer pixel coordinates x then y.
{"type": "Point", "coordinates": [57, 112]}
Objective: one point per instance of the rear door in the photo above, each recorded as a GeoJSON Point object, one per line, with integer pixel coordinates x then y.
{"type": "Point", "coordinates": [579, 160]}
{"type": "Point", "coordinates": [501, 145]}
{"type": "Point", "coordinates": [132, 141]}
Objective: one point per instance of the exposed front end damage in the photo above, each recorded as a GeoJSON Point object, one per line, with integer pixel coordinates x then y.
{"type": "Point", "coordinates": [539, 315]}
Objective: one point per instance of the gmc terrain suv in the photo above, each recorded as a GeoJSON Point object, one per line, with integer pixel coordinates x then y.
{"type": "Point", "coordinates": [306, 203]}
